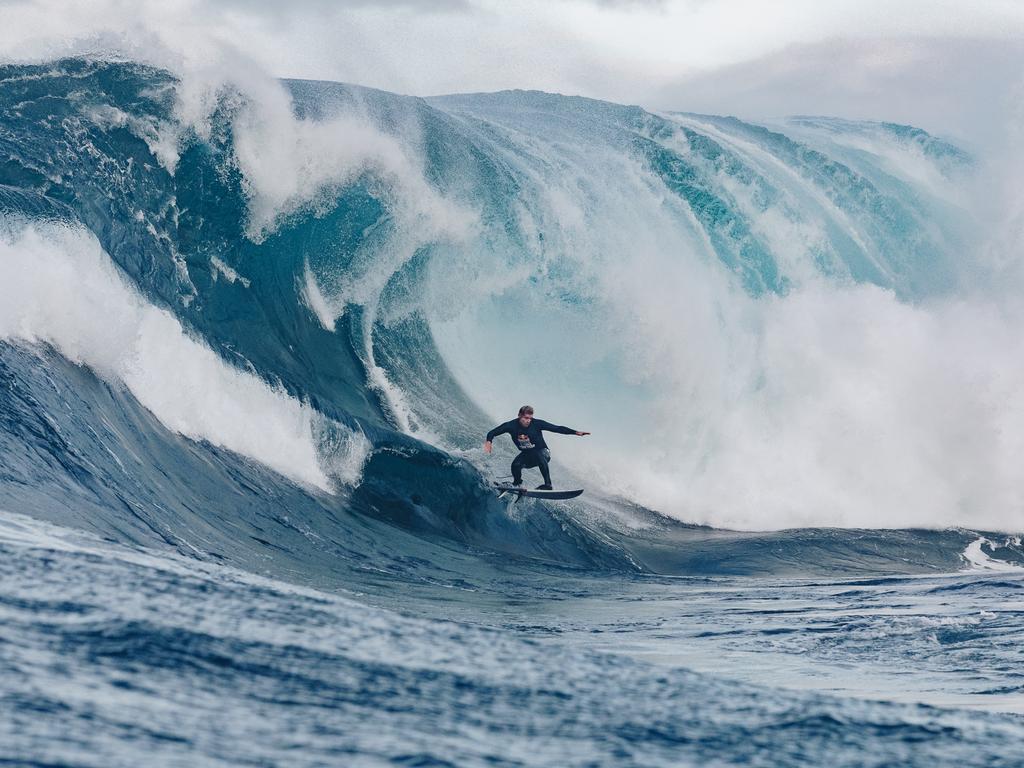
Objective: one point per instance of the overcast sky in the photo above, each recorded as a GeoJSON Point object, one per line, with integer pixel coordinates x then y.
{"type": "Point", "coordinates": [948, 66]}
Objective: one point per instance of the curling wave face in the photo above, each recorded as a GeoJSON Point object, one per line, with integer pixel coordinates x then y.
{"type": "Point", "coordinates": [346, 287]}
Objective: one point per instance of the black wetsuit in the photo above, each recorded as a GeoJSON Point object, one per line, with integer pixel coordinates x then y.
{"type": "Point", "coordinates": [533, 451]}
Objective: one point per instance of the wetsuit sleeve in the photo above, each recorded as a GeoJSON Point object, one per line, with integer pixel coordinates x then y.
{"type": "Point", "coordinates": [547, 427]}
{"type": "Point", "coordinates": [501, 429]}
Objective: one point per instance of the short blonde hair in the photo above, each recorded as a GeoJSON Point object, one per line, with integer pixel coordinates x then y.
{"type": "Point", "coordinates": [526, 409]}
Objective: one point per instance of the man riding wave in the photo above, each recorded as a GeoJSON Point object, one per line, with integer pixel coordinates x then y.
{"type": "Point", "coordinates": [527, 434]}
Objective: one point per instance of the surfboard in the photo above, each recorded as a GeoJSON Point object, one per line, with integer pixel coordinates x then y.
{"type": "Point", "coordinates": [504, 488]}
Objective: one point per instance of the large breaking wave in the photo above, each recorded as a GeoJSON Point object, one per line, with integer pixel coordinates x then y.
{"type": "Point", "coordinates": [260, 322]}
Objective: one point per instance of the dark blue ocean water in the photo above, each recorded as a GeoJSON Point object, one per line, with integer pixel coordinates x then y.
{"type": "Point", "coordinates": [244, 516]}
{"type": "Point", "coordinates": [114, 655]}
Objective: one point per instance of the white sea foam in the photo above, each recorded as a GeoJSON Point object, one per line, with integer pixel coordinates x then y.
{"type": "Point", "coordinates": [161, 137]}
{"type": "Point", "coordinates": [59, 288]}
{"type": "Point", "coordinates": [979, 559]}
{"type": "Point", "coordinates": [221, 268]}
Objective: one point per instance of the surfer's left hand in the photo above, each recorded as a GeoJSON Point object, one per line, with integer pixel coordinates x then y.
{"type": "Point", "coordinates": [581, 434]}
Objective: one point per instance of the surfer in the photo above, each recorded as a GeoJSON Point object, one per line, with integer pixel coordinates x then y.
{"type": "Point", "coordinates": [527, 434]}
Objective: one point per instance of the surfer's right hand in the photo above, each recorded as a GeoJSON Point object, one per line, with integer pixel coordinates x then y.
{"type": "Point", "coordinates": [487, 446]}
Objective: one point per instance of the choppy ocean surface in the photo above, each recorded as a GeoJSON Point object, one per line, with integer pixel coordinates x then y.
{"type": "Point", "coordinates": [113, 655]}
{"type": "Point", "coordinates": [251, 339]}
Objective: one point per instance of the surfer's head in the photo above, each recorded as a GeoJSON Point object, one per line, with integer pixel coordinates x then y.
{"type": "Point", "coordinates": [526, 415]}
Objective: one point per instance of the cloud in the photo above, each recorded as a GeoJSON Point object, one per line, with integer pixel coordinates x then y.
{"type": "Point", "coordinates": [935, 63]}
{"type": "Point", "coordinates": [960, 87]}
{"type": "Point", "coordinates": [275, 8]}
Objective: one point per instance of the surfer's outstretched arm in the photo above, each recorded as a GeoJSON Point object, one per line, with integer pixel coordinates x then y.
{"type": "Point", "coordinates": [548, 427]}
{"type": "Point", "coordinates": [501, 429]}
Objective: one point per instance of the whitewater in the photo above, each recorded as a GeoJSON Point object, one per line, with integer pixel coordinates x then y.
{"type": "Point", "coordinates": [253, 332]}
